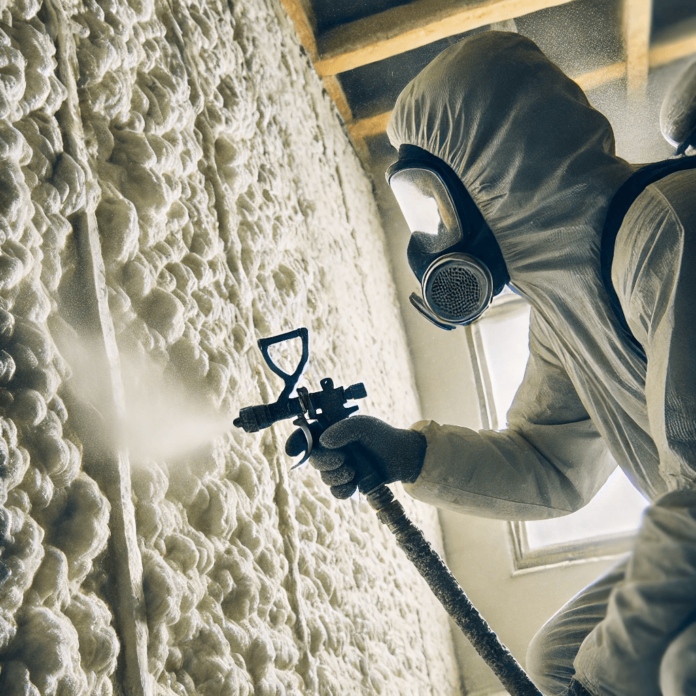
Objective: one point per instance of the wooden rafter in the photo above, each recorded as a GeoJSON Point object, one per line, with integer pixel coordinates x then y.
{"type": "Point", "coordinates": [674, 44]}
{"type": "Point", "coordinates": [302, 17]}
{"type": "Point", "coordinates": [335, 91]}
{"type": "Point", "coordinates": [601, 76]}
{"type": "Point", "coordinates": [410, 26]}
{"type": "Point", "coordinates": [367, 127]}
{"type": "Point", "coordinates": [637, 19]}
{"type": "Point", "coordinates": [374, 125]}
{"type": "Point", "coordinates": [418, 23]}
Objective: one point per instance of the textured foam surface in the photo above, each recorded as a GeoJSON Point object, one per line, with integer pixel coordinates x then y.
{"type": "Point", "coordinates": [231, 206]}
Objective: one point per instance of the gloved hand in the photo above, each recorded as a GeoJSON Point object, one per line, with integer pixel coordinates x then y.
{"type": "Point", "coordinates": [395, 454]}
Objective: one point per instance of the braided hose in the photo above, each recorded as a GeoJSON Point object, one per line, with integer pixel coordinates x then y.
{"type": "Point", "coordinates": [446, 588]}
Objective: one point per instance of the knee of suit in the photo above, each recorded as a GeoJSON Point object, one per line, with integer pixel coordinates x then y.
{"type": "Point", "coordinates": [549, 671]}
{"type": "Point", "coordinates": [678, 666]}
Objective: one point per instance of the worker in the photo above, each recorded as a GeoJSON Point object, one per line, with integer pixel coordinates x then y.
{"type": "Point", "coordinates": [505, 176]}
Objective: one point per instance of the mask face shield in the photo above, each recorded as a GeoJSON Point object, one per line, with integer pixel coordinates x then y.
{"type": "Point", "coordinates": [430, 214]}
{"type": "Point", "coordinates": [456, 287]}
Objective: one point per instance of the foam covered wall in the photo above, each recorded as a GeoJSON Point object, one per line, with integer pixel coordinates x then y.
{"type": "Point", "coordinates": [230, 206]}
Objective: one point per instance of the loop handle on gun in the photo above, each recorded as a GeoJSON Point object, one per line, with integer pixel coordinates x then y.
{"type": "Point", "coordinates": [290, 380]}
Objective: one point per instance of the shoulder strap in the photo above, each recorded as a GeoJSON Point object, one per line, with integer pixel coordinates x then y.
{"type": "Point", "coordinates": [618, 207]}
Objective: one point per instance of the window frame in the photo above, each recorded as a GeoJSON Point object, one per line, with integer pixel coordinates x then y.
{"type": "Point", "coordinates": [593, 549]}
{"type": "Point", "coordinates": [524, 559]}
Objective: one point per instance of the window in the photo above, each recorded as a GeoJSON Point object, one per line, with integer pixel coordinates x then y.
{"type": "Point", "coordinates": [605, 527]}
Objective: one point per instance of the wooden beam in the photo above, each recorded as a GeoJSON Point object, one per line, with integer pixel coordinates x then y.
{"type": "Point", "coordinates": [375, 125]}
{"type": "Point", "coordinates": [637, 21]}
{"type": "Point", "coordinates": [602, 76]}
{"type": "Point", "coordinates": [361, 149]}
{"type": "Point", "coordinates": [674, 44]}
{"type": "Point", "coordinates": [304, 21]}
{"type": "Point", "coordinates": [335, 91]}
{"type": "Point", "coordinates": [410, 26]}
{"type": "Point", "coordinates": [367, 127]}
{"type": "Point", "coordinates": [302, 16]}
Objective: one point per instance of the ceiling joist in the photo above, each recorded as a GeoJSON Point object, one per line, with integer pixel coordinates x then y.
{"type": "Point", "coordinates": [637, 19]}
{"type": "Point", "coordinates": [335, 91]}
{"type": "Point", "coordinates": [410, 26]}
{"type": "Point", "coordinates": [368, 127]}
{"type": "Point", "coordinates": [421, 22]}
{"type": "Point", "coordinates": [302, 16]}
{"type": "Point", "coordinates": [374, 125]}
{"type": "Point", "coordinates": [674, 44]}
{"type": "Point", "coordinates": [601, 76]}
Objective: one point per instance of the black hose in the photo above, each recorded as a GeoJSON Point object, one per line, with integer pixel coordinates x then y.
{"type": "Point", "coordinates": [449, 592]}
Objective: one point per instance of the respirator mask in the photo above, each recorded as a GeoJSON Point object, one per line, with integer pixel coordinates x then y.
{"type": "Point", "coordinates": [452, 251]}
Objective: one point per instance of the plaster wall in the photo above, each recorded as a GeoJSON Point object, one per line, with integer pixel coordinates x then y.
{"type": "Point", "coordinates": [229, 206]}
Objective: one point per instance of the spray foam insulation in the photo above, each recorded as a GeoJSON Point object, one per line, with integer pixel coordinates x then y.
{"type": "Point", "coordinates": [229, 206]}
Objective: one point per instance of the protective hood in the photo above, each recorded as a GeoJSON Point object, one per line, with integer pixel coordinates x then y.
{"type": "Point", "coordinates": [535, 157]}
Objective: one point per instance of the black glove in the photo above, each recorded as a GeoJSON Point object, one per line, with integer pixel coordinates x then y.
{"type": "Point", "coordinates": [349, 447]}
{"type": "Point", "coordinates": [575, 688]}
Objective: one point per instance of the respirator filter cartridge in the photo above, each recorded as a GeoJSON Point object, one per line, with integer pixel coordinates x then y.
{"type": "Point", "coordinates": [457, 288]}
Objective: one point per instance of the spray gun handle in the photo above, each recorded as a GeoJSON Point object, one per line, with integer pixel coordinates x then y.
{"type": "Point", "coordinates": [290, 380]}
{"type": "Point", "coordinates": [368, 476]}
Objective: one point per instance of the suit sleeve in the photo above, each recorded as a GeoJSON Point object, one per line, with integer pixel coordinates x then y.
{"type": "Point", "coordinates": [548, 462]}
{"type": "Point", "coordinates": [654, 278]}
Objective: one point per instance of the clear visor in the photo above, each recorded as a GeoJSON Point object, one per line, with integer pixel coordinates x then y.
{"type": "Point", "coordinates": [428, 208]}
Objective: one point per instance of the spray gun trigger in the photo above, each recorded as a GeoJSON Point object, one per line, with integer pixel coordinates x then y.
{"type": "Point", "coordinates": [306, 402]}
{"type": "Point", "coordinates": [301, 423]}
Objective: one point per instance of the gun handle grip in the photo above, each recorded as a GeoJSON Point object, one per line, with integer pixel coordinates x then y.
{"type": "Point", "coordinates": [368, 475]}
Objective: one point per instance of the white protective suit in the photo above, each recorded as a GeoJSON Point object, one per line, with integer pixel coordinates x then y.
{"type": "Point", "coordinates": [540, 164]}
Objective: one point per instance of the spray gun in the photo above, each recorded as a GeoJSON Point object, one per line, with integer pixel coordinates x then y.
{"type": "Point", "coordinates": [327, 407]}
{"type": "Point", "coordinates": [313, 412]}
